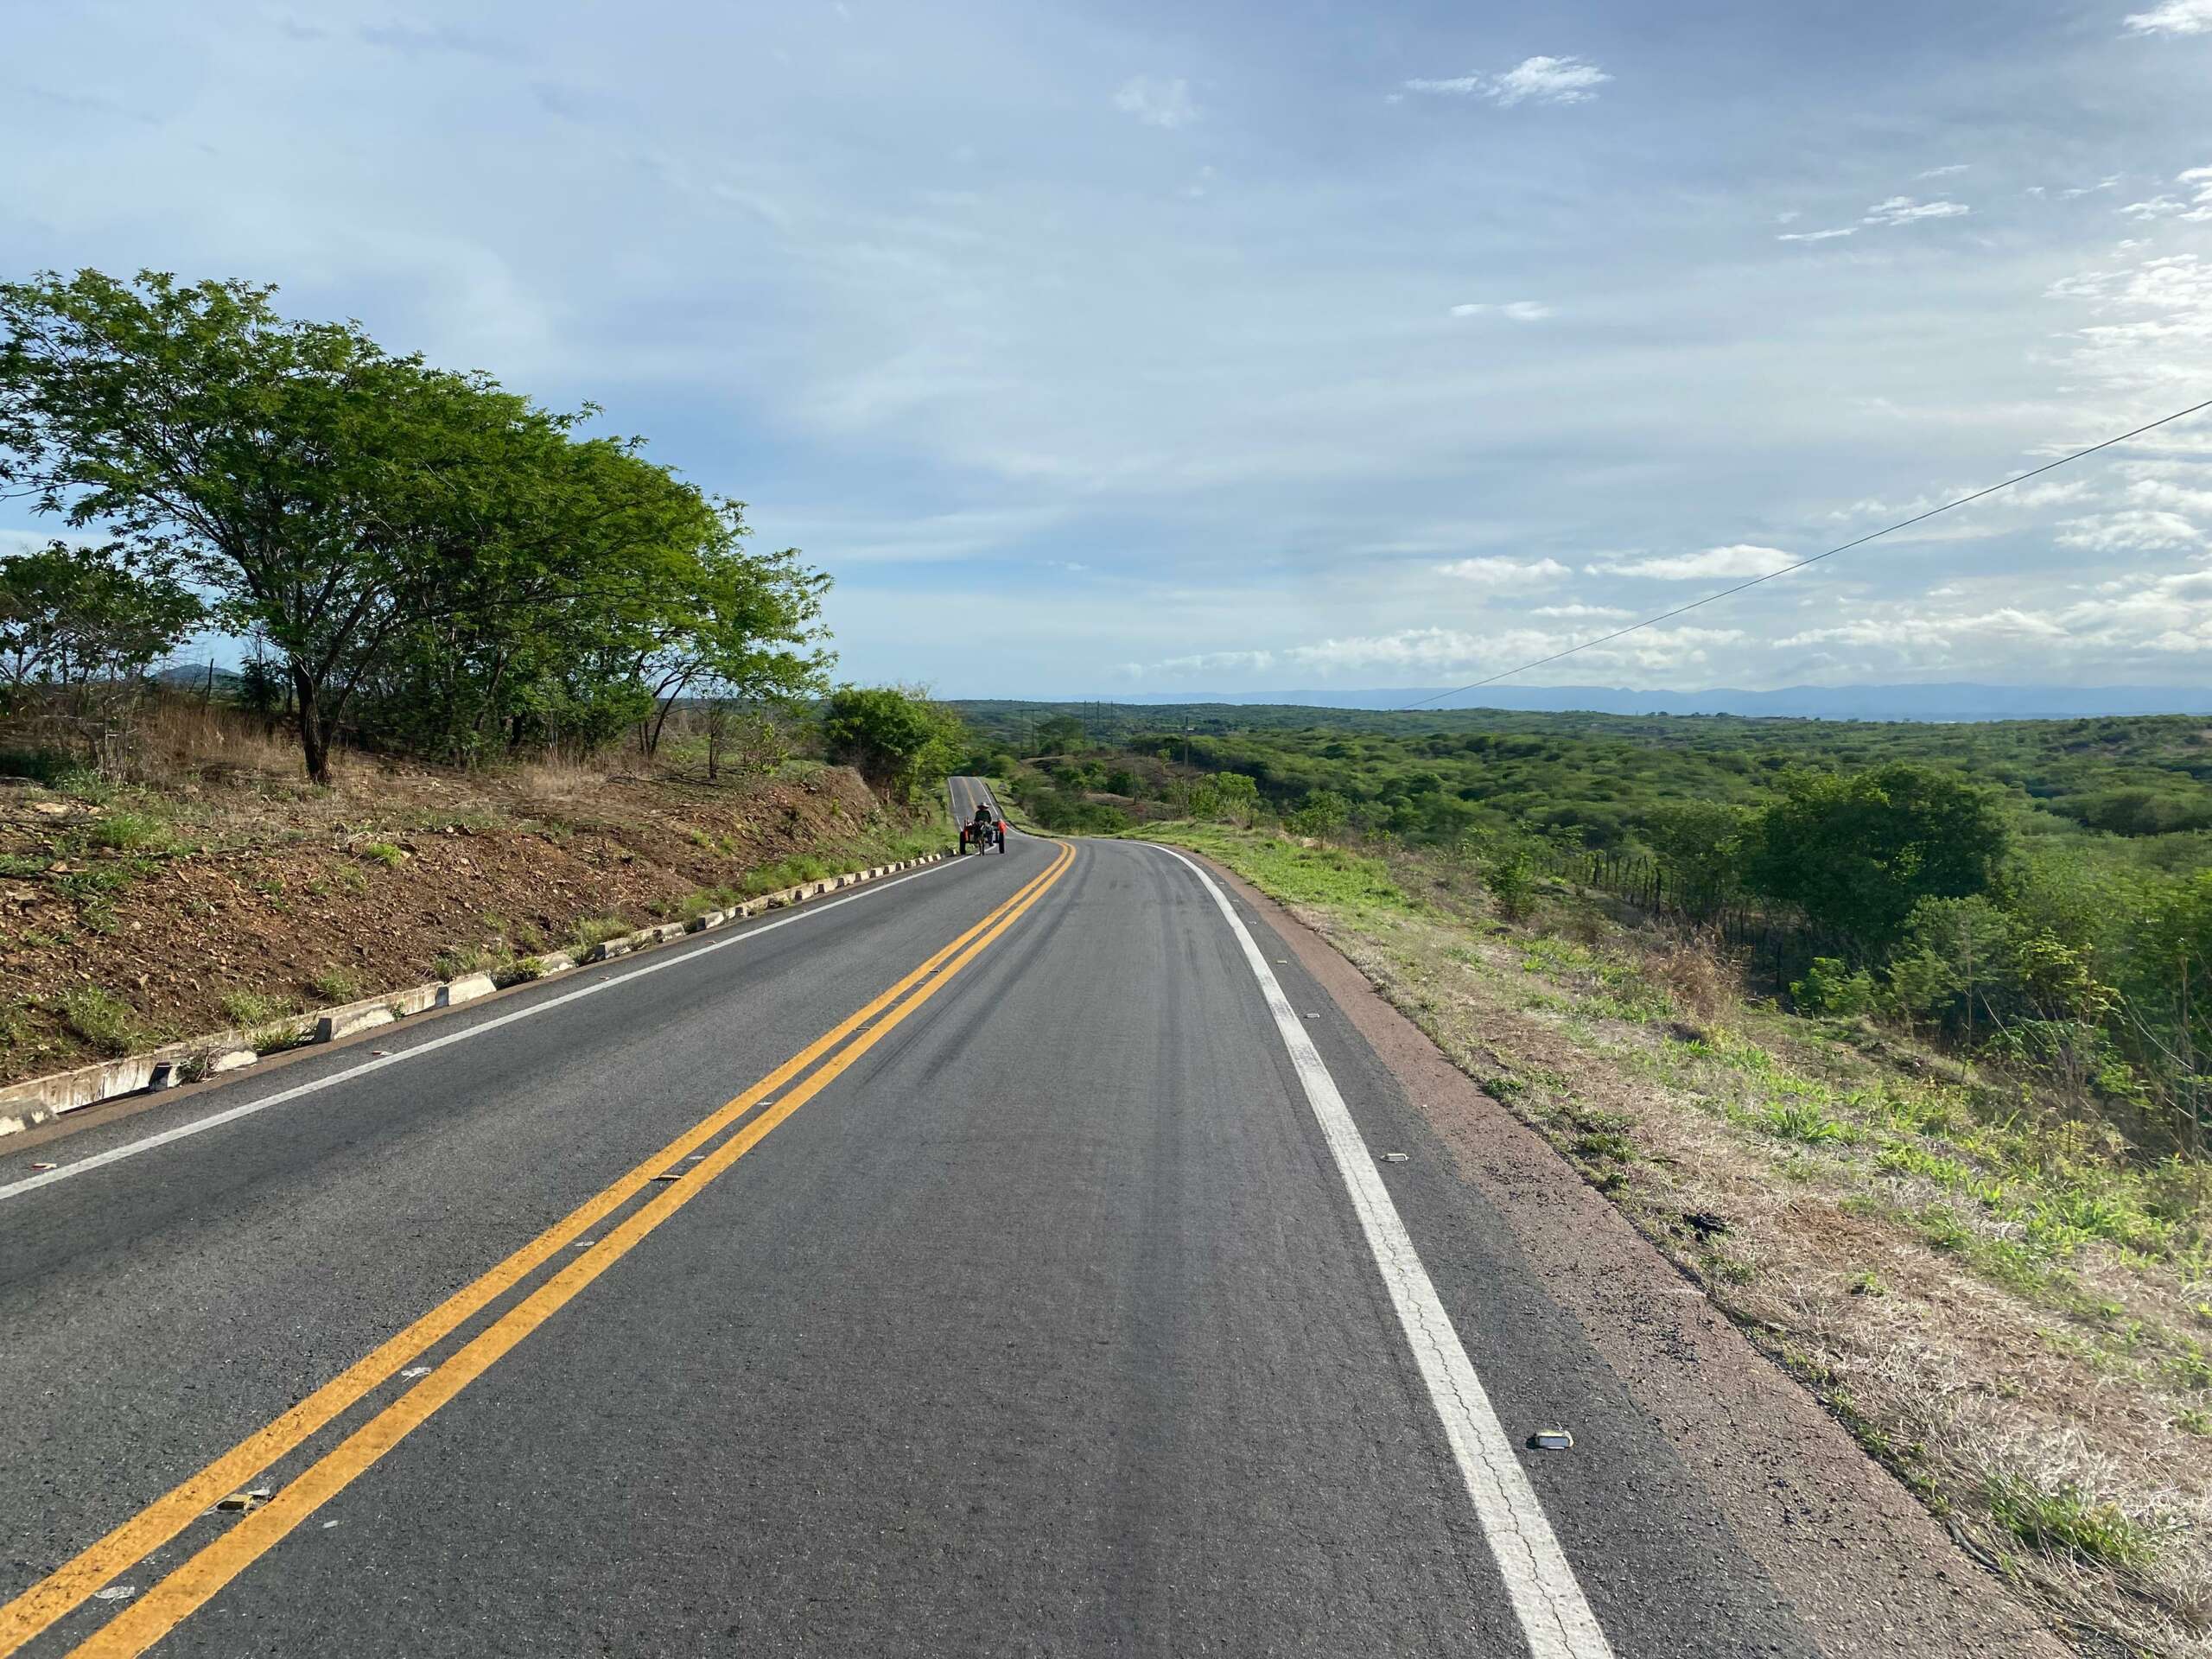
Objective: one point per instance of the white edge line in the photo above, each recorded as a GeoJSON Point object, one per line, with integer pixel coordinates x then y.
{"type": "Point", "coordinates": [216, 1119]}
{"type": "Point", "coordinates": [1546, 1599]}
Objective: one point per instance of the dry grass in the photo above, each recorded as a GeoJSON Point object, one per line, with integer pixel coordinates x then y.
{"type": "Point", "coordinates": [179, 738]}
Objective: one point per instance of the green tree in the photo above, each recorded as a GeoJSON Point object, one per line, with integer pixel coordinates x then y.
{"type": "Point", "coordinates": [1857, 850]}
{"type": "Point", "coordinates": [895, 738]}
{"type": "Point", "coordinates": [1323, 813]}
{"type": "Point", "coordinates": [1700, 845]}
{"type": "Point", "coordinates": [74, 616]}
{"type": "Point", "coordinates": [274, 459]}
{"type": "Point", "coordinates": [1059, 734]}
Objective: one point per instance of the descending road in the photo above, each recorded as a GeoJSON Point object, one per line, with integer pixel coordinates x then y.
{"type": "Point", "coordinates": [1030, 1277]}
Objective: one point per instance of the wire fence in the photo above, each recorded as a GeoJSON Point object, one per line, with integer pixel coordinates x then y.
{"type": "Point", "coordinates": [1776, 951]}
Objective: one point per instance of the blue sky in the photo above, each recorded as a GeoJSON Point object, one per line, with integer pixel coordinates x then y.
{"type": "Point", "coordinates": [1150, 349]}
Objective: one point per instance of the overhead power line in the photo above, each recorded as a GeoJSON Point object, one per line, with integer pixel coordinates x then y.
{"type": "Point", "coordinates": [1887, 530]}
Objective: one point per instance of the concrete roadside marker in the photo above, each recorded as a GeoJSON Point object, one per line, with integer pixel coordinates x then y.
{"type": "Point", "coordinates": [41, 1099]}
{"type": "Point", "coordinates": [1394, 1157]}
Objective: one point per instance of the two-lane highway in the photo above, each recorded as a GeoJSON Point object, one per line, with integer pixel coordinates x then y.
{"type": "Point", "coordinates": [1003, 1261]}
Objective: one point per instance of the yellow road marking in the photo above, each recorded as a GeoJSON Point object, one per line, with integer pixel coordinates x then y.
{"type": "Point", "coordinates": [70, 1584]}
{"type": "Point", "coordinates": [153, 1615]}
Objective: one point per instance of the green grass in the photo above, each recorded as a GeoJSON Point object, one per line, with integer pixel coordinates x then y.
{"type": "Point", "coordinates": [247, 1009]}
{"type": "Point", "coordinates": [129, 832]}
{"type": "Point", "coordinates": [335, 985]}
{"type": "Point", "coordinates": [103, 1020]}
{"type": "Point", "coordinates": [1293, 874]}
{"type": "Point", "coordinates": [385, 854]}
{"type": "Point", "coordinates": [2066, 1520]}
{"type": "Point", "coordinates": [787, 873]}
{"type": "Point", "coordinates": [454, 963]}
{"type": "Point", "coordinates": [597, 930]}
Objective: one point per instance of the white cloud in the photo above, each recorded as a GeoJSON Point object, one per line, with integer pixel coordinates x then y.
{"type": "Point", "coordinates": [1518, 310]}
{"type": "Point", "coordinates": [1901, 629]}
{"type": "Point", "coordinates": [1204, 661]}
{"type": "Point", "coordinates": [1789, 218]}
{"type": "Point", "coordinates": [1903, 210]}
{"type": "Point", "coordinates": [2135, 529]}
{"type": "Point", "coordinates": [1942, 171]}
{"type": "Point", "coordinates": [15, 543]}
{"type": "Point", "coordinates": [2197, 210]}
{"type": "Point", "coordinates": [2172, 17]}
{"type": "Point", "coordinates": [1739, 559]}
{"type": "Point", "coordinates": [1816, 236]}
{"type": "Point", "coordinates": [1499, 573]}
{"type": "Point", "coordinates": [1540, 79]}
{"type": "Point", "coordinates": [1157, 102]}
{"type": "Point", "coordinates": [2110, 183]}
{"type": "Point", "coordinates": [1578, 611]}
{"type": "Point", "coordinates": [2176, 497]}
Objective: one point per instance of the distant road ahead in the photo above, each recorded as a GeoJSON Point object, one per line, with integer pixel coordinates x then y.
{"type": "Point", "coordinates": [1016, 1288]}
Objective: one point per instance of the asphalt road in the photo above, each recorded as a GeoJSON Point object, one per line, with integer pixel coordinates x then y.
{"type": "Point", "coordinates": [1053, 1308]}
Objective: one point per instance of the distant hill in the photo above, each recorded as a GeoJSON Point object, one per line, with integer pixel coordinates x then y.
{"type": "Point", "coordinates": [1940, 701]}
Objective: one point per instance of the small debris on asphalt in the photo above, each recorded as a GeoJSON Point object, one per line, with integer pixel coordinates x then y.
{"type": "Point", "coordinates": [417, 1371]}
{"type": "Point", "coordinates": [1552, 1439]}
{"type": "Point", "coordinates": [116, 1592]}
{"type": "Point", "coordinates": [45, 1165]}
{"type": "Point", "coordinates": [669, 1175]}
{"type": "Point", "coordinates": [240, 1503]}
{"type": "Point", "coordinates": [379, 1053]}
{"type": "Point", "coordinates": [327, 1525]}
{"type": "Point", "coordinates": [586, 1244]}
{"type": "Point", "coordinates": [695, 1157]}
{"type": "Point", "coordinates": [1394, 1157]}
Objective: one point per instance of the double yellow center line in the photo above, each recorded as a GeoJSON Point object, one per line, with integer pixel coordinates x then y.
{"type": "Point", "coordinates": [153, 1615]}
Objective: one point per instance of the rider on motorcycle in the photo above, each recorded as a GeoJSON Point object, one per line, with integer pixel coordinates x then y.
{"type": "Point", "coordinates": [979, 832]}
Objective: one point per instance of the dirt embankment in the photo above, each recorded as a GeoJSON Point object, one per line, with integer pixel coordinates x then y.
{"type": "Point", "coordinates": [130, 916]}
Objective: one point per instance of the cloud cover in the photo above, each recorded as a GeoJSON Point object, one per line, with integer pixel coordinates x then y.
{"type": "Point", "coordinates": [1069, 343]}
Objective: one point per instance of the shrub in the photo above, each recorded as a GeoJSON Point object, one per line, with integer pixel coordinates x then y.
{"type": "Point", "coordinates": [1827, 988]}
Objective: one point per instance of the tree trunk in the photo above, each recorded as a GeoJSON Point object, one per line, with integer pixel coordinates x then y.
{"type": "Point", "coordinates": [314, 738]}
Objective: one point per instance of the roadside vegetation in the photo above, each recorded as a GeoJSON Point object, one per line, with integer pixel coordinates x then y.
{"type": "Point", "coordinates": [214, 887]}
{"type": "Point", "coordinates": [2033, 896]}
{"type": "Point", "coordinates": [2009, 1305]}
{"type": "Point", "coordinates": [501, 684]}
{"type": "Point", "coordinates": [1943, 1158]}
{"type": "Point", "coordinates": [2003, 1296]}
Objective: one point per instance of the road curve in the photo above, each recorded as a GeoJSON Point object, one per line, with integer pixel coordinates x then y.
{"type": "Point", "coordinates": [1045, 1308]}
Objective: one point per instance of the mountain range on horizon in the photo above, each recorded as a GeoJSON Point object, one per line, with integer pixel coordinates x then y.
{"type": "Point", "coordinates": [1946, 701]}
